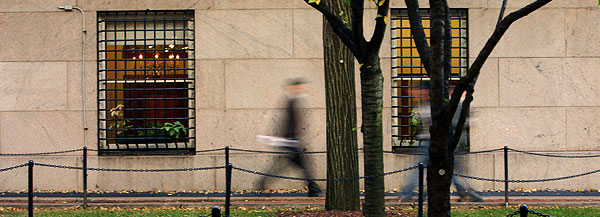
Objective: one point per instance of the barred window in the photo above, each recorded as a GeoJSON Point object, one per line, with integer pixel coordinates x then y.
{"type": "Point", "coordinates": [146, 80]}
{"type": "Point", "coordinates": [408, 73]}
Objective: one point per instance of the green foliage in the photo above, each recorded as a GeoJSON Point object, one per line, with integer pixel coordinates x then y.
{"type": "Point", "coordinates": [174, 129]}
{"type": "Point", "coordinates": [156, 131]}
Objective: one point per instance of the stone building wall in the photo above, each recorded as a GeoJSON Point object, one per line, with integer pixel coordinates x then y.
{"type": "Point", "coordinates": [537, 91]}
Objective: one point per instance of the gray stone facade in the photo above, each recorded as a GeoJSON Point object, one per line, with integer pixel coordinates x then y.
{"type": "Point", "coordinates": [538, 91]}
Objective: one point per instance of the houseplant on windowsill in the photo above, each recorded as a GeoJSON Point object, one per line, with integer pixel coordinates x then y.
{"type": "Point", "coordinates": [412, 145]}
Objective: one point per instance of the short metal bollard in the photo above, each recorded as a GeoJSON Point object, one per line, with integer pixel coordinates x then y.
{"type": "Point", "coordinates": [215, 212]}
{"type": "Point", "coordinates": [524, 211]}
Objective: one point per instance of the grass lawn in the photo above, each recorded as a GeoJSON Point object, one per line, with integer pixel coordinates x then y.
{"type": "Point", "coordinates": [471, 212]}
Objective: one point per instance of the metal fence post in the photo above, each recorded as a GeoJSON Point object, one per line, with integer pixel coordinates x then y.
{"type": "Point", "coordinates": [215, 212]}
{"type": "Point", "coordinates": [421, 175]}
{"type": "Point", "coordinates": [227, 188]}
{"type": "Point", "coordinates": [30, 189]}
{"type": "Point", "coordinates": [85, 177]}
{"type": "Point", "coordinates": [226, 155]}
{"type": "Point", "coordinates": [506, 176]}
{"type": "Point", "coordinates": [523, 210]}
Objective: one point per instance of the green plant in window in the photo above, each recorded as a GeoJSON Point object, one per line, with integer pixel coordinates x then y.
{"type": "Point", "coordinates": [174, 129]}
{"type": "Point", "coordinates": [155, 131]}
{"type": "Point", "coordinates": [122, 125]}
{"type": "Point", "coordinates": [415, 122]}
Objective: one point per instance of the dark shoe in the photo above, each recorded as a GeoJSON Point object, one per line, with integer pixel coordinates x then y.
{"type": "Point", "coordinates": [471, 198]}
{"type": "Point", "coordinates": [316, 194]}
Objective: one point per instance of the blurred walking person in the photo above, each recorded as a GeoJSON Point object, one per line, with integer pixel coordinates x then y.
{"type": "Point", "coordinates": [290, 140]}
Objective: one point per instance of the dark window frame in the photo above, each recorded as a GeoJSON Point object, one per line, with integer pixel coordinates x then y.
{"type": "Point", "coordinates": [146, 73]}
{"type": "Point", "coordinates": [403, 132]}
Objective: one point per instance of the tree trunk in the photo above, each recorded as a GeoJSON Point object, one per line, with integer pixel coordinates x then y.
{"type": "Point", "coordinates": [441, 163]}
{"type": "Point", "coordinates": [340, 94]}
{"type": "Point", "coordinates": [371, 94]}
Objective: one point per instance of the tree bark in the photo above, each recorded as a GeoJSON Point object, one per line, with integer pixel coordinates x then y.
{"type": "Point", "coordinates": [372, 104]}
{"type": "Point", "coordinates": [340, 94]}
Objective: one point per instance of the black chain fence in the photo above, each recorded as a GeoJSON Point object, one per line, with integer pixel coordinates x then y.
{"type": "Point", "coordinates": [324, 180]}
{"type": "Point", "coordinates": [43, 153]}
{"type": "Point", "coordinates": [13, 167]}
{"type": "Point", "coordinates": [552, 155]}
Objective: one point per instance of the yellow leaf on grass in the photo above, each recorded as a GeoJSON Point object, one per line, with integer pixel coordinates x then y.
{"type": "Point", "coordinates": [314, 1]}
{"type": "Point", "coordinates": [381, 2]}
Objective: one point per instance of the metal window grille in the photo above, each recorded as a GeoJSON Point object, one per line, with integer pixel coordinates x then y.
{"type": "Point", "coordinates": [146, 81]}
{"type": "Point", "coordinates": [408, 73]}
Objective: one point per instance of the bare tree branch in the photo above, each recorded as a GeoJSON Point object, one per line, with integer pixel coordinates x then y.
{"type": "Point", "coordinates": [380, 26]}
{"type": "Point", "coordinates": [357, 23]}
{"type": "Point", "coordinates": [502, 9]}
{"type": "Point", "coordinates": [337, 25]}
{"type": "Point", "coordinates": [447, 52]}
{"type": "Point", "coordinates": [416, 28]}
{"type": "Point", "coordinates": [473, 73]}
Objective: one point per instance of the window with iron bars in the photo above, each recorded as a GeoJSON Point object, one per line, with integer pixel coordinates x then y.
{"type": "Point", "coordinates": [146, 81]}
{"type": "Point", "coordinates": [408, 73]}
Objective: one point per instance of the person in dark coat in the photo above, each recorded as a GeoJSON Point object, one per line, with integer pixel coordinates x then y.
{"type": "Point", "coordinates": [296, 90]}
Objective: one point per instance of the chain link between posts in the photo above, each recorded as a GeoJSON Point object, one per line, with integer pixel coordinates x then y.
{"type": "Point", "coordinates": [130, 170]}
{"type": "Point", "coordinates": [43, 153]}
{"type": "Point", "coordinates": [552, 155]}
{"type": "Point", "coordinates": [323, 180]}
{"type": "Point", "coordinates": [529, 180]}
{"type": "Point", "coordinates": [13, 167]}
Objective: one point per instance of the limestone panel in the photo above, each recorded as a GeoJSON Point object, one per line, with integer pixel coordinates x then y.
{"type": "Point", "coordinates": [211, 130]}
{"type": "Point", "coordinates": [486, 88]}
{"type": "Point", "coordinates": [210, 84]}
{"type": "Point", "coordinates": [451, 4]}
{"type": "Point", "coordinates": [480, 165]}
{"type": "Point", "coordinates": [33, 86]}
{"type": "Point", "coordinates": [261, 83]}
{"type": "Point", "coordinates": [20, 36]}
{"type": "Point", "coordinates": [75, 85]}
{"type": "Point", "coordinates": [167, 181]}
{"type": "Point", "coordinates": [581, 34]}
{"type": "Point", "coordinates": [94, 5]}
{"type": "Point", "coordinates": [244, 34]}
{"type": "Point", "coordinates": [44, 178]}
{"type": "Point", "coordinates": [539, 129]}
{"type": "Point", "coordinates": [582, 125]}
{"type": "Point", "coordinates": [24, 132]}
{"type": "Point", "coordinates": [548, 82]}
{"type": "Point", "coordinates": [32, 5]}
{"type": "Point", "coordinates": [239, 128]}
{"type": "Point", "coordinates": [541, 34]}
{"type": "Point", "coordinates": [308, 33]}
{"type": "Point", "coordinates": [515, 4]}
{"type": "Point", "coordinates": [253, 4]}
